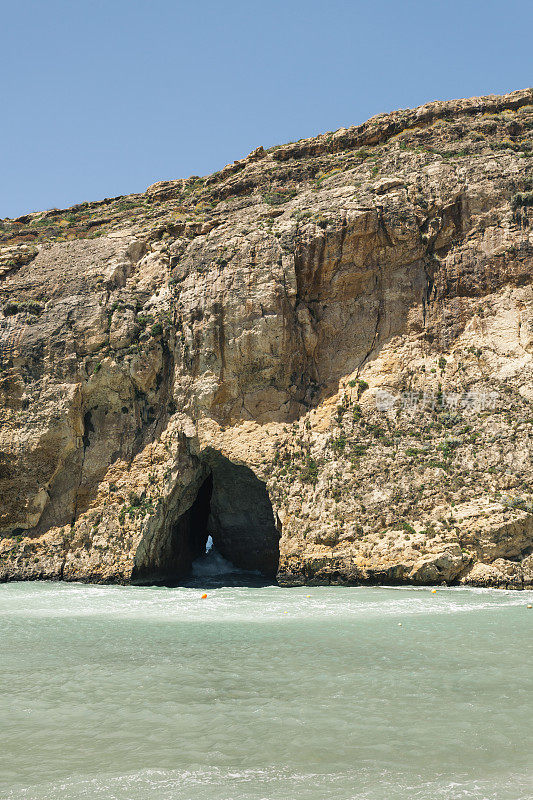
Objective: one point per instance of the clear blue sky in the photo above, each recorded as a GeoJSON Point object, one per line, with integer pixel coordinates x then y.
{"type": "Point", "coordinates": [104, 97]}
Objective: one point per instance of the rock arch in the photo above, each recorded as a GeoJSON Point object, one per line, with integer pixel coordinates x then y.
{"type": "Point", "coordinates": [227, 502]}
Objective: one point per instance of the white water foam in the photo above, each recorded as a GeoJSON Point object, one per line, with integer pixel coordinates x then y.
{"type": "Point", "coordinates": [241, 603]}
{"type": "Point", "coordinates": [212, 564]}
{"type": "Point", "coordinates": [275, 784]}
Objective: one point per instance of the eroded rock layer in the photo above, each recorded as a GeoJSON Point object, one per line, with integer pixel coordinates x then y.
{"type": "Point", "coordinates": [321, 356]}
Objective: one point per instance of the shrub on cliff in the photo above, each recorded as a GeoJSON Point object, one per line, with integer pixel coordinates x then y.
{"type": "Point", "coordinates": [521, 200]}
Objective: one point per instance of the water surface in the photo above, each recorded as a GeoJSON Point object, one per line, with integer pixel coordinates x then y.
{"type": "Point", "coordinates": [129, 693]}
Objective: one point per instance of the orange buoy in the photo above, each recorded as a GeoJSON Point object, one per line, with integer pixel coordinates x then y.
{"type": "Point", "coordinates": [433, 591]}
{"type": "Point", "coordinates": [204, 596]}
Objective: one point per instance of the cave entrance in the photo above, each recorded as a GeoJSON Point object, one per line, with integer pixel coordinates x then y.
{"type": "Point", "coordinates": [231, 508]}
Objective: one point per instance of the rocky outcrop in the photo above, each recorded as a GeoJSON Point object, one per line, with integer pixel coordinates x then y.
{"type": "Point", "coordinates": [321, 356]}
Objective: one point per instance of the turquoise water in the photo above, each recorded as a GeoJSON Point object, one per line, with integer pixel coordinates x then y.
{"type": "Point", "coordinates": [126, 693]}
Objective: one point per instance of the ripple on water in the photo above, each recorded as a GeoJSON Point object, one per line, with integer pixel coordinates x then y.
{"type": "Point", "coordinates": [265, 693]}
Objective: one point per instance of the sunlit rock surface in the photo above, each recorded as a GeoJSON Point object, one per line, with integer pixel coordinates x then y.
{"type": "Point", "coordinates": [321, 356]}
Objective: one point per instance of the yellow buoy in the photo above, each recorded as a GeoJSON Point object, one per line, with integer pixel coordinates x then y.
{"type": "Point", "coordinates": [399, 624]}
{"type": "Point", "coordinates": [433, 591]}
{"type": "Point", "coordinates": [530, 606]}
{"type": "Point", "coordinates": [204, 596]}
{"type": "Point", "coordinates": [308, 595]}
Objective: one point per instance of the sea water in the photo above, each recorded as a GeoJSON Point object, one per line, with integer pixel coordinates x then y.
{"type": "Point", "coordinates": [265, 693]}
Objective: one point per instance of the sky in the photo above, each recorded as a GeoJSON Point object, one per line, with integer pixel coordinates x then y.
{"type": "Point", "coordinates": [104, 97]}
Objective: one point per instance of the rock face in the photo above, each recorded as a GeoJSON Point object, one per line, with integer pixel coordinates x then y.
{"type": "Point", "coordinates": [320, 355]}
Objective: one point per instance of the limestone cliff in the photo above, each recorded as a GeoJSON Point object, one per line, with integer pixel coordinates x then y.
{"type": "Point", "coordinates": [321, 355]}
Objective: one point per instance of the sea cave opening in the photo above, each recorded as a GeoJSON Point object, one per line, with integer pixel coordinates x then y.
{"type": "Point", "coordinates": [228, 533]}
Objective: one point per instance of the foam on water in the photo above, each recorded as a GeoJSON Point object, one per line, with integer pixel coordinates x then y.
{"type": "Point", "coordinates": [134, 693]}
{"type": "Point", "coordinates": [241, 602]}
{"type": "Point", "coordinates": [217, 784]}
{"type": "Point", "coordinates": [213, 570]}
